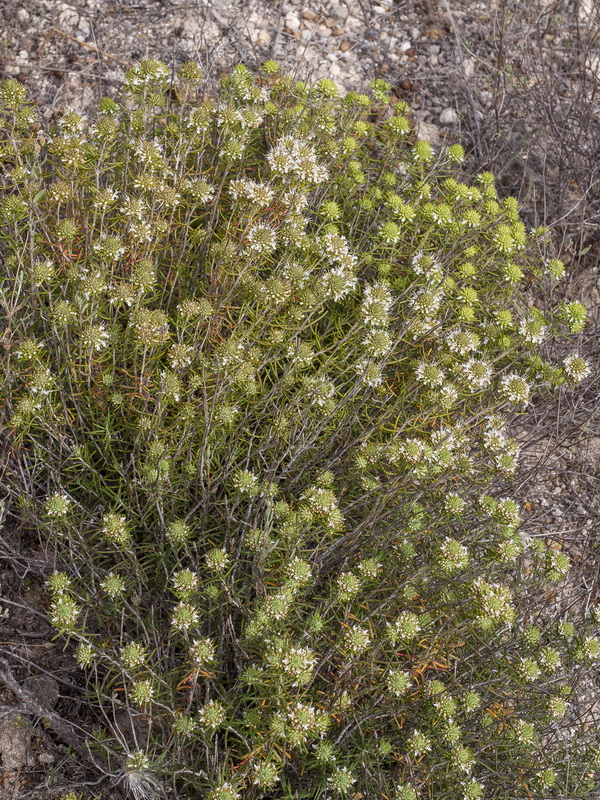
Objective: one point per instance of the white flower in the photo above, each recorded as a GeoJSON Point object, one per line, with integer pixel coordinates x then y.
{"type": "Point", "coordinates": [376, 304]}
{"type": "Point", "coordinates": [462, 342]}
{"type": "Point", "coordinates": [339, 282]}
{"type": "Point", "coordinates": [95, 337]}
{"type": "Point", "coordinates": [293, 158]}
{"type": "Point", "coordinates": [260, 193]}
{"type": "Point", "coordinates": [425, 265]}
{"type": "Point", "coordinates": [369, 372]}
{"type": "Point", "coordinates": [377, 343]}
{"type": "Point", "coordinates": [261, 239]}
{"type": "Point", "coordinates": [429, 374]}
{"type": "Point", "coordinates": [576, 368]}
{"type": "Point", "coordinates": [515, 388]}
{"type": "Point", "coordinates": [477, 374]}
{"type": "Point", "coordinates": [532, 330]}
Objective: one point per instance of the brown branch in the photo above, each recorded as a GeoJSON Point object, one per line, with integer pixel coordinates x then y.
{"type": "Point", "coordinates": [92, 47]}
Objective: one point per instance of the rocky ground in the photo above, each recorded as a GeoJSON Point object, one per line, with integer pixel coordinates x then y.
{"type": "Point", "coordinates": [517, 82]}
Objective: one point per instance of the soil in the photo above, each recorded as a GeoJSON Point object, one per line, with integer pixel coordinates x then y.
{"type": "Point", "coordinates": [516, 82]}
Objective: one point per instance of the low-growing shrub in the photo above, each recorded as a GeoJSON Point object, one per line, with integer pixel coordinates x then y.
{"type": "Point", "coordinates": [262, 354]}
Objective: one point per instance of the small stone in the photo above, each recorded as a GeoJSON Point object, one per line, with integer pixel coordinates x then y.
{"type": "Point", "coordinates": [309, 15]}
{"type": "Point", "coordinates": [468, 65]}
{"type": "Point", "coordinates": [15, 743]}
{"type": "Point", "coordinates": [292, 23]}
{"type": "Point", "coordinates": [338, 31]}
{"type": "Point", "coordinates": [68, 17]}
{"type": "Point", "coordinates": [434, 60]}
{"type": "Point", "coordinates": [428, 131]}
{"type": "Point", "coordinates": [264, 38]}
{"type": "Point", "coordinates": [84, 28]}
{"type": "Point", "coordinates": [45, 759]}
{"type": "Point", "coordinates": [330, 22]}
{"type": "Point", "coordinates": [449, 116]}
{"type": "Point", "coordinates": [345, 46]}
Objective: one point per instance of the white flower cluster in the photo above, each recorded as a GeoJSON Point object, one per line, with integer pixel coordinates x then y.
{"type": "Point", "coordinates": [376, 304]}
{"type": "Point", "coordinates": [357, 639]}
{"type": "Point", "coordinates": [109, 247]}
{"type": "Point", "coordinates": [494, 435]}
{"type": "Point", "coordinates": [426, 265]}
{"type": "Point", "coordinates": [494, 601]}
{"type": "Point", "coordinates": [245, 118]}
{"type": "Point", "coordinates": [418, 743]}
{"type": "Point", "coordinates": [320, 389]}
{"type": "Point", "coordinates": [341, 280]}
{"type": "Point", "coordinates": [475, 374]}
{"type": "Point", "coordinates": [148, 152]}
{"type": "Point", "coordinates": [296, 663]}
{"type": "Point", "coordinates": [295, 159]}
{"type": "Point", "coordinates": [324, 505]}
{"type": "Point", "coordinates": [377, 342]}
{"type": "Point", "coordinates": [412, 450]}
{"type": "Point", "coordinates": [576, 368]}
{"type": "Point", "coordinates": [462, 342]}
{"type": "Point", "coordinates": [426, 304]}
{"type": "Point", "coordinates": [370, 372]}
{"type": "Point", "coordinates": [532, 330]}
{"type": "Point", "coordinates": [515, 388]}
{"type": "Point", "coordinates": [72, 123]}
{"type": "Point", "coordinates": [299, 722]}
{"type": "Point", "coordinates": [405, 628]}
{"type": "Point", "coordinates": [429, 374]}
{"type": "Point", "coordinates": [246, 189]}
{"type": "Point", "coordinates": [453, 555]}
{"type": "Point", "coordinates": [261, 240]}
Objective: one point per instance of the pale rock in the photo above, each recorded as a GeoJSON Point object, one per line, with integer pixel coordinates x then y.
{"type": "Point", "coordinates": [15, 743]}
{"type": "Point", "coordinates": [84, 28]}
{"type": "Point", "coordinates": [428, 131]}
{"type": "Point", "coordinates": [264, 38]}
{"type": "Point", "coordinates": [449, 116]}
{"type": "Point", "coordinates": [292, 23]}
{"type": "Point", "coordinates": [468, 66]}
{"type": "Point", "coordinates": [594, 66]}
{"type": "Point", "coordinates": [585, 11]}
{"type": "Point", "coordinates": [68, 18]}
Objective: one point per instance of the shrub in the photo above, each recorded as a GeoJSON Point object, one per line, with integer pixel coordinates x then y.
{"type": "Point", "coordinates": [262, 358]}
